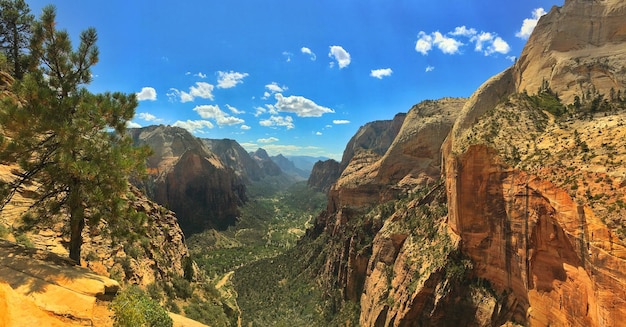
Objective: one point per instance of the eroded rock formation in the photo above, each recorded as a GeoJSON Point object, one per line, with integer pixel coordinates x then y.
{"type": "Point", "coordinates": [324, 175]}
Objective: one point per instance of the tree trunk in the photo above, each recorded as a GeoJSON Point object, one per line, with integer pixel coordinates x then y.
{"type": "Point", "coordinates": [77, 221]}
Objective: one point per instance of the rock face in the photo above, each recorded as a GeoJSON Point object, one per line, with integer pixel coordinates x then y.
{"type": "Point", "coordinates": [375, 136]}
{"type": "Point", "coordinates": [527, 225]}
{"type": "Point", "coordinates": [187, 177]}
{"type": "Point", "coordinates": [43, 289]}
{"type": "Point", "coordinates": [233, 155]}
{"type": "Point", "coordinates": [576, 48]}
{"type": "Point", "coordinates": [288, 167]}
{"type": "Point", "coordinates": [324, 175]}
{"type": "Point", "coordinates": [268, 167]}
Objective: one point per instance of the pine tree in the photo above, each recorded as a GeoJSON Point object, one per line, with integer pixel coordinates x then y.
{"type": "Point", "coordinates": [70, 143]}
{"type": "Point", "coordinates": [15, 31]}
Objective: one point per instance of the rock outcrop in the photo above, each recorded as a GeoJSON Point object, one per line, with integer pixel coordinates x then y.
{"type": "Point", "coordinates": [288, 167]}
{"type": "Point", "coordinates": [42, 289]}
{"type": "Point", "coordinates": [324, 175]}
{"type": "Point", "coordinates": [191, 180]}
{"type": "Point", "coordinates": [268, 167]}
{"type": "Point", "coordinates": [233, 155]}
{"type": "Point", "coordinates": [576, 48]}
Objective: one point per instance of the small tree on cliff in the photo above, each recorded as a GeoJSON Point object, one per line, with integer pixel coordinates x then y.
{"type": "Point", "coordinates": [71, 143]}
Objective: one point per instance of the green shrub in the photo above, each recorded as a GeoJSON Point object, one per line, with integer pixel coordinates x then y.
{"type": "Point", "coordinates": [183, 288]}
{"type": "Point", "coordinates": [133, 308]}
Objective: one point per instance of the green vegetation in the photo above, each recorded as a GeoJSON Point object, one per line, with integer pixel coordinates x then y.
{"type": "Point", "coordinates": [548, 100]}
{"type": "Point", "coordinates": [133, 307]}
{"type": "Point", "coordinates": [59, 132]}
{"type": "Point", "coordinates": [268, 226]}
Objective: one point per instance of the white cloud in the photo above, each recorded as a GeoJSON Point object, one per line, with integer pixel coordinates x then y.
{"type": "Point", "coordinates": [380, 73]}
{"type": "Point", "coordinates": [485, 42]}
{"type": "Point", "coordinates": [275, 88]}
{"type": "Point", "coordinates": [341, 55]}
{"type": "Point", "coordinates": [226, 80]}
{"type": "Point", "coordinates": [214, 112]}
{"type": "Point", "coordinates": [259, 111]}
{"type": "Point", "coordinates": [511, 58]}
{"type": "Point", "coordinates": [429, 69]}
{"type": "Point", "coordinates": [200, 74]}
{"type": "Point", "coordinates": [147, 93]}
{"type": "Point", "coordinates": [300, 106]}
{"type": "Point", "coordinates": [273, 121]}
{"type": "Point", "coordinates": [288, 55]}
{"type": "Point", "coordinates": [200, 90]}
{"type": "Point", "coordinates": [245, 127]}
{"type": "Point", "coordinates": [131, 124]}
{"type": "Point", "coordinates": [528, 25]}
{"type": "Point", "coordinates": [194, 126]}
{"type": "Point", "coordinates": [340, 122]}
{"type": "Point", "coordinates": [446, 44]}
{"type": "Point", "coordinates": [148, 117]}
{"type": "Point", "coordinates": [424, 43]}
{"type": "Point", "coordinates": [490, 43]}
{"type": "Point", "coordinates": [308, 51]}
{"type": "Point", "coordinates": [463, 31]}
{"type": "Point", "coordinates": [235, 110]}
{"type": "Point", "coordinates": [270, 139]}
{"type": "Point", "coordinates": [318, 133]}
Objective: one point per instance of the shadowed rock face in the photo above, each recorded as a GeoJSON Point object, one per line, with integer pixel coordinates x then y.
{"type": "Point", "coordinates": [188, 178]}
{"type": "Point", "coordinates": [323, 175]}
{"type": "Point", "coordinates": [233, 155]}
{"type": "Point", "coordinates": [268, 167]}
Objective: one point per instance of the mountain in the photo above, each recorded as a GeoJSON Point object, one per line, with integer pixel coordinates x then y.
{"type": "Point", "coordinates": [268, 167]}
{"type": "Point", "coordinates": [506, 208]}
{"type": "Point", "coordinates": [233, 155]}
{"type": "Point", "coordinates": [190, 179]}
{"type": "Point", "coordinates": [288, 167]}
{"type": "Point", "coordinates": [305, 163]}
{"type": "Point", "coordinates": [324, 175]}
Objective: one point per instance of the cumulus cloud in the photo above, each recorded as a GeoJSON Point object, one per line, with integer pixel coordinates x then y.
{"type": "Point", "coordinates": [200, 90]}
{"type": "Point", "coordinates": [486, 42]}
{"type": "Point", "coordinates": [308, 51]}
{"type": "Point", "coordinates": [245, 127]}
{"type": "Point", "coordinates": [226, 80]}
{"type": "Point", "coordinates": [131, 124]}
{"type": "Point", "coordinates": [287, 55]}
{"type": "Point", "coordinates": [235, 110]}
{"type": "Point", "coordinates": [214, 112]}
{"type": "Point", "coordinates": [274, 121]}
{"type": "Point", "coordinates": [489, 43]}
{"type": "Point", "coordinates": [424, 43]}
{"type": "Point", "coordinates": [300, 106]}
{"type": "Point", "coordinates": [528, 25]}
{"type": "Point", "coordinates": [446, 44]}
{"type": "Point", "coordinates": [340, 122]}
{"type": "Point", "coordinates": [194, 126]}
{"type": "Point", "coordinates": [147, 93]}
{"type": "Point", "coordinates": [270, 139]}
{"type": "Point", "coordinates": [340, 55]}
{"type": "Point", "coordinates": [463, 31]}
{"type": "Point", "coordinates": [148, 117]}
{"type": "Point", "coordinates": [429, 69]}
{"type": "Point", "coordinates": [318, 133]}
{"type": "Point", "coordinates": [273, 88]}
{"type": "Point", "coordinates": [380, 73]}
{"type": "Point", "coordinates": [200, 74]}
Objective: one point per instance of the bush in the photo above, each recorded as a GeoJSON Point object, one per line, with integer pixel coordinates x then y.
{"type": "Point", "coordinates": [183, 288]}
{"type": "Point", "coordinates": [133, 307]}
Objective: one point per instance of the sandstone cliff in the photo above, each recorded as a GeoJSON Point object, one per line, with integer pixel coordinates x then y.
{"type": "Point", "coordinates": [324, 175]}
{"type": "Point", "coordinates": [527, 224]}
{"type": "Point", "coordinates": [187, 177]}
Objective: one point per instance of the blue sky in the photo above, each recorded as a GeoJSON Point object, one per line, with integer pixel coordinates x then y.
{"type": "Point", "coordinates": [294, 77]}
